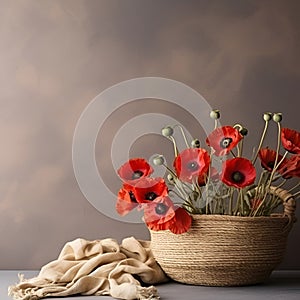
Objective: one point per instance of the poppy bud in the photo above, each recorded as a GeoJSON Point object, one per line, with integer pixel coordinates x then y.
{"type": "Point", "coordinates": [167, 131]}
{"type": "Point", "coordinates": [215, 114]}
{"type": "Point", "coordinates": [243, 131]}
{"type": "Point", "coordinates": [170, 178]}
{"type": "Point", "coordinates": [195, 143]}
{"type": "Point", "coordinates": [267, 116]}
{"type": "Point", "coordinates": [158, 160]}
{"type": "Point", "coordinates": [277, 117]}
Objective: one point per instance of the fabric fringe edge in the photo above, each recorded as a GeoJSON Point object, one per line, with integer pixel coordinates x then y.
{"type": "Point", "coordinates": [147, 293]}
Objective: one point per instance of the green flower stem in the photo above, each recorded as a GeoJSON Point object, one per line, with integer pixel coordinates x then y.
{"type": "Point", "coordinates": [281, 184]}
{"type": "Point", "coordinates": [215, 206]}
{"type": "Point", "coordinates": [197, 190]}
{"type": "Point", "coordinates": [276, 177]}
{"type": "Point", "coordinates": [187, 206]}
{"type": "Point", "coordinates": [183, 135]}
{"type": "Point", "coordinates": [261, 141]}
{"type": "Point", "coordinates": [177, 181]}
{"type": "Point", "coordinates": [296, 195]}
{"type": "Point", "coordinates": [236, 207]}
{"type": "Point", "coordinates": [276, 188]}
{"type": "Point", "coordinates": [179, 185]}
{"type": "Point", "coordinates": [276, 201]}
{"type": "Point", "coordinates": [216, 123]}
{"type": "Point", "coordinates": [277, 150]}
{"type": "Point", "coordinates": [206, 206]}
{"type": "Point", "coordinates": [240, 148]}
{"type": "Point", "coordinates": [177, 194]}
{"type": "Point", "coordinates": [241, 201]}
{"type": "Point", "coordinates": [231, 191]}
{"type": "Point", "coordinates": [276, 165]}
{"type": "Point", "coordinates": [184, 184]}
{"type": "Point", "coordinates": [180, 188]}
{"type": "Point", "coordinates": [237, 125]}
{"type": "Point", "coordinates": [170, 170]}
{"type": "Point", "coordinates": [174, 145]}
{"type": "Point", "coordinates": [293, 188]}
{"type": "Point", "coordinates": [264, 176]}
{"type": "Point", "coordinates": [269, 183]}
{"type": "Point", "coordinates": [233, 154]}
{"type": "Point", "coordinates": [206, 199]}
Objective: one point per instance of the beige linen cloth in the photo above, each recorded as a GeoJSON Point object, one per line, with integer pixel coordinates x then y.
{"type": "Point", "coordinates": [99, 267]}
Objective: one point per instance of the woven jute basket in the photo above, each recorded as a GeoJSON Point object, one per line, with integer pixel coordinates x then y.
{"type": "Point", "coordinates": [220, 250]}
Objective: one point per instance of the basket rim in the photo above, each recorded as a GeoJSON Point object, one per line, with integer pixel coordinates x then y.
{"type": "Point", "coordinates": [199, 218]}
{"type": "Point", "coordinates": [238, 218]}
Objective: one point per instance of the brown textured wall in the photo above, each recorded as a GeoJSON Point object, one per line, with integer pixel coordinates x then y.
{"type": "Point", "coordinates": [56, 56]}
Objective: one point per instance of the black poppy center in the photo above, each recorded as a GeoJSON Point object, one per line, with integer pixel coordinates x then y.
{"type": "Point", "coordinates": [193, 166]}
{"type": "Point", "coordinates": [137, 174]}
{"type": "Point", "coordinates": [271, 164]}
{"type": "Point", "coordinates": [132, 197]}
{"type": "Point", "coordinates": [237, 177]}
{"type": "Point", "coordinates": [161, 209]}
{"type": "Point", "coordinates": [225, 142]}
{"type": "Point", "coordinates": [150, 196]}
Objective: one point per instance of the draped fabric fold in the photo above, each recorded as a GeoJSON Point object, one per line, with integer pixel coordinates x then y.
{"type": "Point", "coordinates": [100, 267]}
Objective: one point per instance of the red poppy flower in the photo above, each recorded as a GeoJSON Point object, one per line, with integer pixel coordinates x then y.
{"type": "Point", "coordinates": [290, 140]}
{"type": "Point", "coordinates": [291, 168]}
{"type": "Point", "coordinates": [267, 158]}
{"type": "Point", "coordinates": [135, 169]}
{"type": "Point", "coordinates": [159, 214]}
{"type": "Point", "coordinates": [148, 189]}
{"type": "Point", "coordinates": [126, 200]}
{"type": "Point", "coordinates": [238, 172]}
{"type": "Point", "coordinates": [191, 163]}
{"type": "Point", "coordinates": [223, 139]}
{"type": "Point", "coordinates": [182, 222]}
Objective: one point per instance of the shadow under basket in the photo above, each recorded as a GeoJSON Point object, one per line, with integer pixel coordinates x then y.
{"type": "Point", "coordinates": [221, 250]}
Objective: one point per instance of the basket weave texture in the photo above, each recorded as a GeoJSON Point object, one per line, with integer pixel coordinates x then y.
{"type": "Point", "coordinates": [220, 250]}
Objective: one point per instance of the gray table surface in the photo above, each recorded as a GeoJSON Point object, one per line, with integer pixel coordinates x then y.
{"type": "Point", "coordinates": [282, 285]}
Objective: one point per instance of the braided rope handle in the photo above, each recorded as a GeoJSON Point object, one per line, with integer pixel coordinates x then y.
{"type": "Point", "coordinates": [288, 201]}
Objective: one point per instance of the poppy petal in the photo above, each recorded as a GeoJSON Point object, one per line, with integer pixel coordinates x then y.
{"type": "Point", "coordinates": [191, 163]}
{"type": "Point", "coordinates": [238, 172]}
{"type": "Point", "coordinates": [148, 189]}
{"type": "Point", "coordinates": [182, 222]}
{"type": "Point", "coordinates": [134, 169]}
{"type": "Point", "coordinates": [123, 207]}
{"type": "Point", "coordinates": [159, 214]}
{"type": "Point", "coordinates": [291, 168]}
{"type": "Point", "coordinates": [290, 140]}
{"type": "Point", "coordinates": [267, 157]}
{"type": "Point", "coordinates": [126, 200]}
{"type": "Point", "coordinates": [223, 139]}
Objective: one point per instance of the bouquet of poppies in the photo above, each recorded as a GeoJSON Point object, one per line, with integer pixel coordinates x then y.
{"type": "Point", "coordinates": [212, 180]}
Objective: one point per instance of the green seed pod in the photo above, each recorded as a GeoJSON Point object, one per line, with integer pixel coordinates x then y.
{"type": "Point", "coordinates": [277, 117]}
{"type": "Point", "coordinates": [195, 143]}
{"type": "Point", "coordinates": [215, 114]}
{"type": "Point", "coordinates": [158, 160]}
{"type": "Point", "coordinates": [267, 116]}
{"type": "Point", "coordinates": [243, 131]}
{"type": "Point", "coordinates": [167, 131]}
{"type": "Point", "coordinates": [170, 178]}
